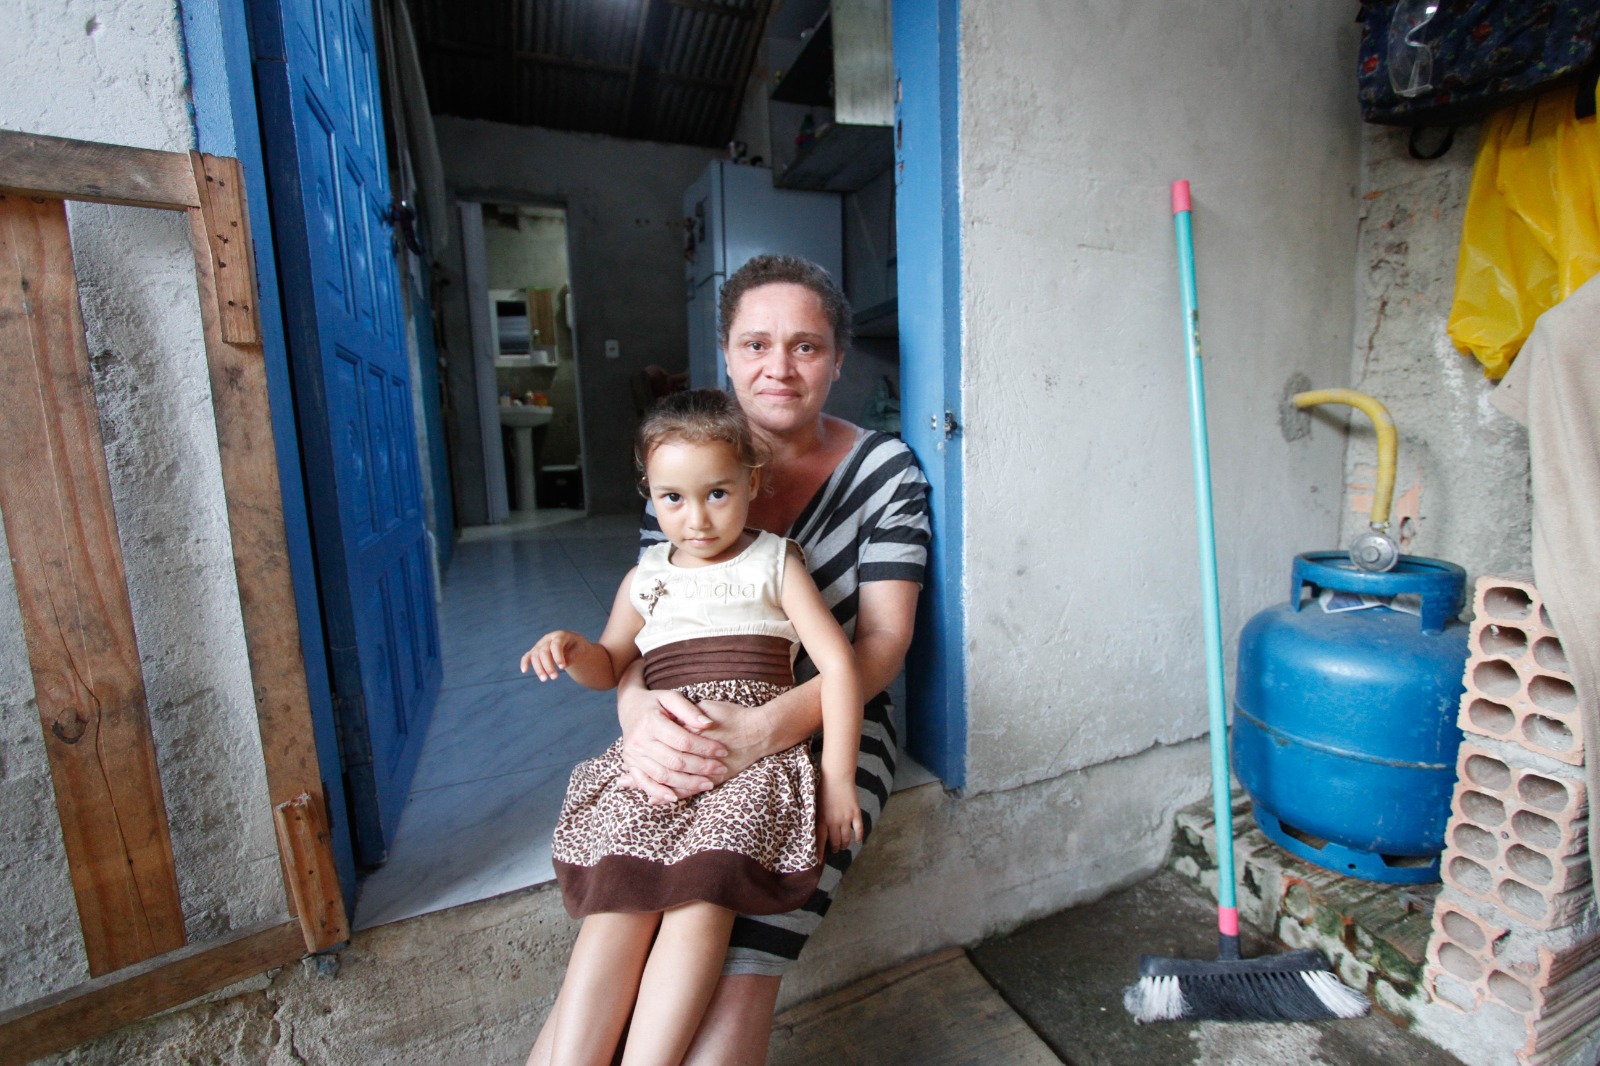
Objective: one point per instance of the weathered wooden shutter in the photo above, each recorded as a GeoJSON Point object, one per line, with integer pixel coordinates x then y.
{"type": "Point", "coordinates": [72, 590]}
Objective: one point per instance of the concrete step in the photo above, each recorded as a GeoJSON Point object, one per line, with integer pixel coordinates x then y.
{"type": "Point", "coordinates": [932, 1011]}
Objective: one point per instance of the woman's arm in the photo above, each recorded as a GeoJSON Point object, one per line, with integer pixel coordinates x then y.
{"type": "Point", "coordinates": [841, 698]}
{"type": "Point", "coordinates": [674, 749]}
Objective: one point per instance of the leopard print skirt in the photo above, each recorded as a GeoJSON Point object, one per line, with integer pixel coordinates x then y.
{"type": "Point", "coordinates": [749, 845]}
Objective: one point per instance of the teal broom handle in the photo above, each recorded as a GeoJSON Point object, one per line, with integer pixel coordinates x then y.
{"type": "Point", "coordinates": [1221, 792]}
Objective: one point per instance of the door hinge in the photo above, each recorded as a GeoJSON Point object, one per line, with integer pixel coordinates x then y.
{"type": "Point", "coordinates": [950, 427]}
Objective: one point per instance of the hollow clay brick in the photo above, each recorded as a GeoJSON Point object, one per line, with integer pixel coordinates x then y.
{"type": "Point", "coordinates": [1518, 684]}
{"type": "Point", "coordinates": [1461, 954]}
{"type": "Point", "coordinates": [1516, 865]}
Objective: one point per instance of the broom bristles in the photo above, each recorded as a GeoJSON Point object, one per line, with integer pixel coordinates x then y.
{"type": "Point", "coordinates": [1294, 987]}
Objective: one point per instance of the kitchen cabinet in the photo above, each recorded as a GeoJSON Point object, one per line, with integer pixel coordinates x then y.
{"type": "Point", "coordinates": [831, 112]}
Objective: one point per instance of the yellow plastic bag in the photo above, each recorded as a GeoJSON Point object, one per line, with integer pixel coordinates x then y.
{"type": "Point", "coordinates": [1532, 231]}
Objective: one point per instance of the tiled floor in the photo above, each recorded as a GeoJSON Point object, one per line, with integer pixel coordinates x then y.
{"type": "Point", "coordinates": [489, 784]}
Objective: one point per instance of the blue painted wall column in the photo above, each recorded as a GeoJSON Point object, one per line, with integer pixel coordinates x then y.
{"type": "Point", "coordinates": [928, 254]}
{"type": "Point", "coordinates": [223, 95]}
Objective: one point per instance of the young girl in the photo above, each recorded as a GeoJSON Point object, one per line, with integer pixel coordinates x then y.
{"type": "Point", "coordinates": [716, 612]}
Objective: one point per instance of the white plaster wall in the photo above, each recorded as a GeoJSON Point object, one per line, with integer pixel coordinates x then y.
{"type": "Point", "coordinates": [116, 73]}
{"type": "Point", "coordinates": [531, 256]}
{"type": "Point", "coordinates": [1082, 575]}
{"type": "Point", "coordinates": [1461, 488]}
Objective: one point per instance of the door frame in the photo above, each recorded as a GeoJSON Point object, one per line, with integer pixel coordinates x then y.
{"type": "Point", "coordinates": [480, 329]}
{"type": "Point", "coordinates": [222, 86]}
{"type": "Point", "coordinates": [928, 254]}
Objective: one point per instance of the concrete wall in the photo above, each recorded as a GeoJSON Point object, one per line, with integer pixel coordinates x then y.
{"type": "Point", "coordinates": [1084, 621]}
{"type": "Point", "coordinates": [529, 255]}
{"type": "Point", "coordinates": [1461, 490]}
{"type": "Point", "coordinates": [116, 73]}
{"type": "Point", "coordinates": [624, 203]}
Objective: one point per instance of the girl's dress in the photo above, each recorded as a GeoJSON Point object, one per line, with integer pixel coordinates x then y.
{"type": "Point", "coordinates": [713, 633]}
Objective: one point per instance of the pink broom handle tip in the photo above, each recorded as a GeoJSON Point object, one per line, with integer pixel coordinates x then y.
{"type": "Point", "coordinates": [1180, 196]}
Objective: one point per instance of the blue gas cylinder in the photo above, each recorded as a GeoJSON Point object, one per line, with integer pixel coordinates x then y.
{"type": "Point", "coordinates": [1344, 728]}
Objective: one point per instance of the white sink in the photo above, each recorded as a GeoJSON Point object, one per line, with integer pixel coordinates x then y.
{"type": "Point", "coordinates": [524, 416]}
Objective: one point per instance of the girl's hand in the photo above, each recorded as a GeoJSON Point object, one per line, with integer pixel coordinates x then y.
{"type": "Point", "coordinates": [840, 816]}
{"type": "Point", "coordinates": [550, 656]}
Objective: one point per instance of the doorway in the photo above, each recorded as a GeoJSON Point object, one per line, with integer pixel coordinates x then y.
{"type": "Point", "coordinates": [528, 469]}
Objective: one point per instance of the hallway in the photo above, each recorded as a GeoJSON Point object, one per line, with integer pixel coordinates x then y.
{"type": "Point", "coordinates": [488, 788]}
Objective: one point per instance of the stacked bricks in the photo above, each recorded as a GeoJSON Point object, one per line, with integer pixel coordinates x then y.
{"type": "Point", "coordinates": [1514, 925]}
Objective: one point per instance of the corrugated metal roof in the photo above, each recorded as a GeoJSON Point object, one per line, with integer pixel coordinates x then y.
{"type": "Point", "coordinates": [661, 70]}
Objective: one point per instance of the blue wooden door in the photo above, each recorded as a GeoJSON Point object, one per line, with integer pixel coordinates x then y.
{"type": "Point", "coordinates": [322, 123]}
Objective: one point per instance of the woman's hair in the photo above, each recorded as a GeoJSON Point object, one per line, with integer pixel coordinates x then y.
{"type": "Point", "coordinates": [698, 416]}
{"type": "Point", "coordinates": [792, 270]}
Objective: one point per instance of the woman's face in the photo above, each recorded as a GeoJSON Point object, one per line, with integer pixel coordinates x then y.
{"type": "Point", "coordinates": [782, 357]}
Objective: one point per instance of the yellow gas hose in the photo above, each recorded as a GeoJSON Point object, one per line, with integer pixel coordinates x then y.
{"type": "Point", "coordinates": [1388, 441]}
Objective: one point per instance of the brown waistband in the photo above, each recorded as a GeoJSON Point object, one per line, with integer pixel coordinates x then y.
{"type": "Point", "coordinates": [737, 658]}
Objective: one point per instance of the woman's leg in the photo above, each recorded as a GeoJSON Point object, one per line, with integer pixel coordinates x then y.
{"type": "Point", "coordinates": [597, 993]}
{"type": "Point", "coordinates": [738, 1022]}
{"type": "Point", "coordinates": [678, 981]}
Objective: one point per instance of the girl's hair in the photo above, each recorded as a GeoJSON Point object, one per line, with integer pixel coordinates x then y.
{"type": "Point", "coordinates": [791, 270]}
{"type": "Point", "coordinates": [698, 416]}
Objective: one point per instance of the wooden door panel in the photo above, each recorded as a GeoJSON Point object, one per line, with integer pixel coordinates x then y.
{"type": "Point", "coordinates": [363, 87]}
{"type": "Point", "coordinates": [408, 476]}
{"type": "Point", "coordinates": [332, 41]}
{"type": "Point", "coordinates": [75, 605]}
{"type": "Point", "coordinates": [380, 448]}
{"type": "Point", "coordinates": [318, 151]}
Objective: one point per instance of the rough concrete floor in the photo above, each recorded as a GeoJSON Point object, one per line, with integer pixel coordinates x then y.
{"type": "Point", "coordinates": [1065, 975]}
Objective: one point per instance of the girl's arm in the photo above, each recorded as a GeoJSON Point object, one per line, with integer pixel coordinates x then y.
{"type": "Point", "coordinates": [842, 701]}
{"type": "Point", "coordinates": [591, 664]}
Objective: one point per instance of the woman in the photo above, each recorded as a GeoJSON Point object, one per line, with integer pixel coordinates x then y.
{"type": "Point", "coordinates": [857, 503]}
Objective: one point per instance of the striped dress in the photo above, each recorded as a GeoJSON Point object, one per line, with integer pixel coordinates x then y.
{"type": "Point", "coordinates": [868, 522]}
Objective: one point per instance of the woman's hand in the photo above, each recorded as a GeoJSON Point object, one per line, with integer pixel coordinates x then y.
{"type": "Point", "coordinates": [673, 748]}
{"type": "Point", "coordinates": [663, 751]}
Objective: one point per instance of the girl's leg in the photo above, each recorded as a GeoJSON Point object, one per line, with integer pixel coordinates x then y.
{"type": "Point", "coordinates": [597, 993]}
{"type": "Point", "coordinates": [678, 981]}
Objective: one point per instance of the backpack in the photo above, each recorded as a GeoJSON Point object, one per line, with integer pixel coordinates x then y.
{"type": "Point", "coordinates": [1445, 62]}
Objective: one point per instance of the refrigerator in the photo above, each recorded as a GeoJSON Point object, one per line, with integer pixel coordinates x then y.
{"type": "Point", "coordinates": [731, 214]}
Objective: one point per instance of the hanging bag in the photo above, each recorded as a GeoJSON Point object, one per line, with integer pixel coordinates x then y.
{"type": "Point", "coordinates": [1439, 63]}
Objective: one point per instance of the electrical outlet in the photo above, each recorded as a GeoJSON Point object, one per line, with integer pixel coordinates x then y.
{"type": "Point", "coordinates": [613, 350]}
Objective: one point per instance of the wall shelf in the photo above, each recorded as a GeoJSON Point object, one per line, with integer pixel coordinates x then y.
{"type": "Point", "coordinates": [843, 158]}
{"type": "Point", "coordinates": [842, 79]}
{"type": "Point", "coordinates": [809, 79]}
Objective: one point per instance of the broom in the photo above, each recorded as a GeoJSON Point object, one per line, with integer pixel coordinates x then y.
{"type": "Point", "coordinates": [1299, 985]}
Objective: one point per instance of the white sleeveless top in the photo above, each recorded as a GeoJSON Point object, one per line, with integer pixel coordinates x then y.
{"type": "Point", "coordinates": [740, 597]}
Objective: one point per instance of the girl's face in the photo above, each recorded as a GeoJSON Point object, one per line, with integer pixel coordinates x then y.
{"type": "Point", "coordinates": [701, 493]}
{"type": "Point", "coordinates": [782, 357]}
